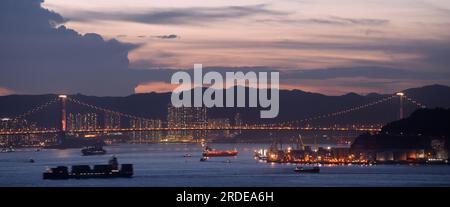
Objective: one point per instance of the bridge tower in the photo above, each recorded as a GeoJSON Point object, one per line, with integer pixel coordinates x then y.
{"type": "Point", "coordinates": [401, 96]}
{"type": "Point", "coordinates": [63, 121]}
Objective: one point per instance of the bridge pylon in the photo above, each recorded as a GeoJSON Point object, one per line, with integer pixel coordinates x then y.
{"type": "Point", "coordinates": [61, 137]}
{"type": "Point", "coordinates": [401, 96]}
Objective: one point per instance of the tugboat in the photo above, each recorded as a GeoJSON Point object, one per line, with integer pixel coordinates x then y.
{"type": "Point", "coordinates": [111, 170]}
{"type": "Point", "coordinates": [93, 150]}
{"type": "Point", "coordinates": [209, 152]}
{"type": "Point", "coordinates": [315, 169]}
{"type": "Point", "coordinates": [261, 154]}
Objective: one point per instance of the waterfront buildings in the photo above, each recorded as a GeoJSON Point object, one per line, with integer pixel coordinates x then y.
{"type": "Point", "coordinates": [111, 120]}
{"type": "Point", "coordinates": [82, 121]}
{"type": "Point", "coordinates": [145, 136]}
{"type": "Point", "coordinates": [8, 124]}
{"type": "Point", "coordinates": [186, 117]}
{"type": "Point", "coordinates": [219, 123]}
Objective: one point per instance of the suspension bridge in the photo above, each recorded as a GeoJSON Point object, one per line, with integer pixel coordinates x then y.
{"type": "Point", "coordinates": [296, 125]}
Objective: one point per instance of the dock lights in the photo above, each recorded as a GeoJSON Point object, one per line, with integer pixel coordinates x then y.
{"type": "Point", "coordinates": [62, 96]}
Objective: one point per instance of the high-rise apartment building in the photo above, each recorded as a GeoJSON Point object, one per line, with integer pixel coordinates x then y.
{"type": "Point", "coordinates": [186, 117]}
{"type": "Point", "coordinates": [145, 136]}
{"type": "Point", "coordinates": [111, 120]}
{"type": "Point", "coordinates": [80, 121]}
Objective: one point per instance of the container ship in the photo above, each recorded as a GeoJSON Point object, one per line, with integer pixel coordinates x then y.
{"type": "Point", "coordinates": [110, 170]}
{"type": "Point", "coordinates": [208, 152]}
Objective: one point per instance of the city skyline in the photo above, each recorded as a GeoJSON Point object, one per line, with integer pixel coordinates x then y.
{"type": "Point", "coordinates": [224, 93]}
{"type": "Point", "coordinates": [318, 46]}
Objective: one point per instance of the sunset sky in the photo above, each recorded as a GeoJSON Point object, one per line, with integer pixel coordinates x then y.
{"type": "Point", "coordinates": [325, 46]}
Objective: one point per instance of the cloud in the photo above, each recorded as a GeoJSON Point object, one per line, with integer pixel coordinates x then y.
{"type": "Point", "coordinates": [351, 21]}
{"type": "Point", "coordinates": [333, 20]}
{"type": "Point", "coordinates": [338, 81]}
{"type": "Point", "coordinates": [5, 91]}
{"type": "Point", "coordinates": [157, 86]}
{"type": "Point", "coordinates": [360, 85]}
{"type": "Point", "coordinates": [38, 56]}
{"type": "Point", "coordinates": [436, 53]}
{"type": "Point", "coordinates": [331, 81]}
{"type": "Point", "coordinates": [175, 16]}
{"type": "Point", "coordinates": [366, 72]}
{"type": "Point", "coordinates": [426, 54]}
{"type": "Point", "coordinates": [170, 36]}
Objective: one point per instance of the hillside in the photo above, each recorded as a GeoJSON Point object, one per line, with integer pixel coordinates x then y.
{"type": "Point", "coordinates": [416, 131]}
{"type": "Point", "coordinates": [294, 105]}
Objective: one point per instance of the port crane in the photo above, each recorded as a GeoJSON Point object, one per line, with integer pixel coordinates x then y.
{"type": "Point", "coordinates": [300, 144]}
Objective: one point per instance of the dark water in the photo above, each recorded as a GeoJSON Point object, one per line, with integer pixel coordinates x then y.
{"type": "Point", "coordinates": [164, 165]}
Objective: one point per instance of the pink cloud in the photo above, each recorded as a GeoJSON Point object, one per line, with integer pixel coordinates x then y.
{"type": "Point", "coordinates": [154, 87]}
{"type": "Point", "coordinates": [5, 91]}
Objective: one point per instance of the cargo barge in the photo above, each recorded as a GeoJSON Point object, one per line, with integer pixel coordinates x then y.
{"type": "Point", "coordinates": [93, 150]}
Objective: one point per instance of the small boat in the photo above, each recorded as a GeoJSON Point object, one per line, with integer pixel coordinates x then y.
{"type": "Point", "coordinates": [315, 169]}
{"type": "Point", "coordinates": [187, 155]}
{"type": "Point", "coordinates": [203, 159]}
{"type": "Point", "coordinates": [94, 150]}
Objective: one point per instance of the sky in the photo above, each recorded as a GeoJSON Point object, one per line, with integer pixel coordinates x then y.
{"type": "Point", "coordinates": [114, 47]}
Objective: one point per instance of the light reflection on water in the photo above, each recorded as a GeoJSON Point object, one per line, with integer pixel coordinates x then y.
{"type": "Point", "coordinates": [165, 165]}
{"type": "Point", "coordinates": [62, 153]}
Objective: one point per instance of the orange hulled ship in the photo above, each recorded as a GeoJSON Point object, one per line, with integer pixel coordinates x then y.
{"type": "Point", "coordinates": [209, 152]}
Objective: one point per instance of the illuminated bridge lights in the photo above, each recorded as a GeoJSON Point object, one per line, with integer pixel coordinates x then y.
{"type": "Point", "coordinates": [285, 126]}
{"type": "Point", "coordinates": [191, 128]}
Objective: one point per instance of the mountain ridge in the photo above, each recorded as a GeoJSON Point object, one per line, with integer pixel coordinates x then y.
{"type": "Point", "coordinates": [294, 105]}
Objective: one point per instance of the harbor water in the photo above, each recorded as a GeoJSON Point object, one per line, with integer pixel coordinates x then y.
{"type": "Point", "coordinates": [165, 165]}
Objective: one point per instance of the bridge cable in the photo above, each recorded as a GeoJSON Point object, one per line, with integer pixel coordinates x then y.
{"type": "Point", "coordinates": [342, 112]}
{"type": "Point", "coordinates": [107, 110]}
{"type": "Point", "coordinates": [36, 109]}
{"type": "Point", "coordinates": [418, 104]}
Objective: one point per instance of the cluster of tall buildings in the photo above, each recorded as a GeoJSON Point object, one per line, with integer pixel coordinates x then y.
{"type": "Point", "coordinates": [8, 124]}
{"type": "Point", "coordinates": [177, 117]}
{"type": "Point", "coordinates": [91, 121]}
{"type": "Point", "coordinates": [82, 121]}
{"type": "Point", "coordinates": [112, 121]}
{"type": "Point", "coordinates": [145, 136]}
{"type": "Point", "coordinates": [196, 117]}
{"type": "Point", "coordinates": [219, 123]}
{"type": "Point", "coordinates": [16, 124]}
{"type": "Point", "coordinates": [186, 117]}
